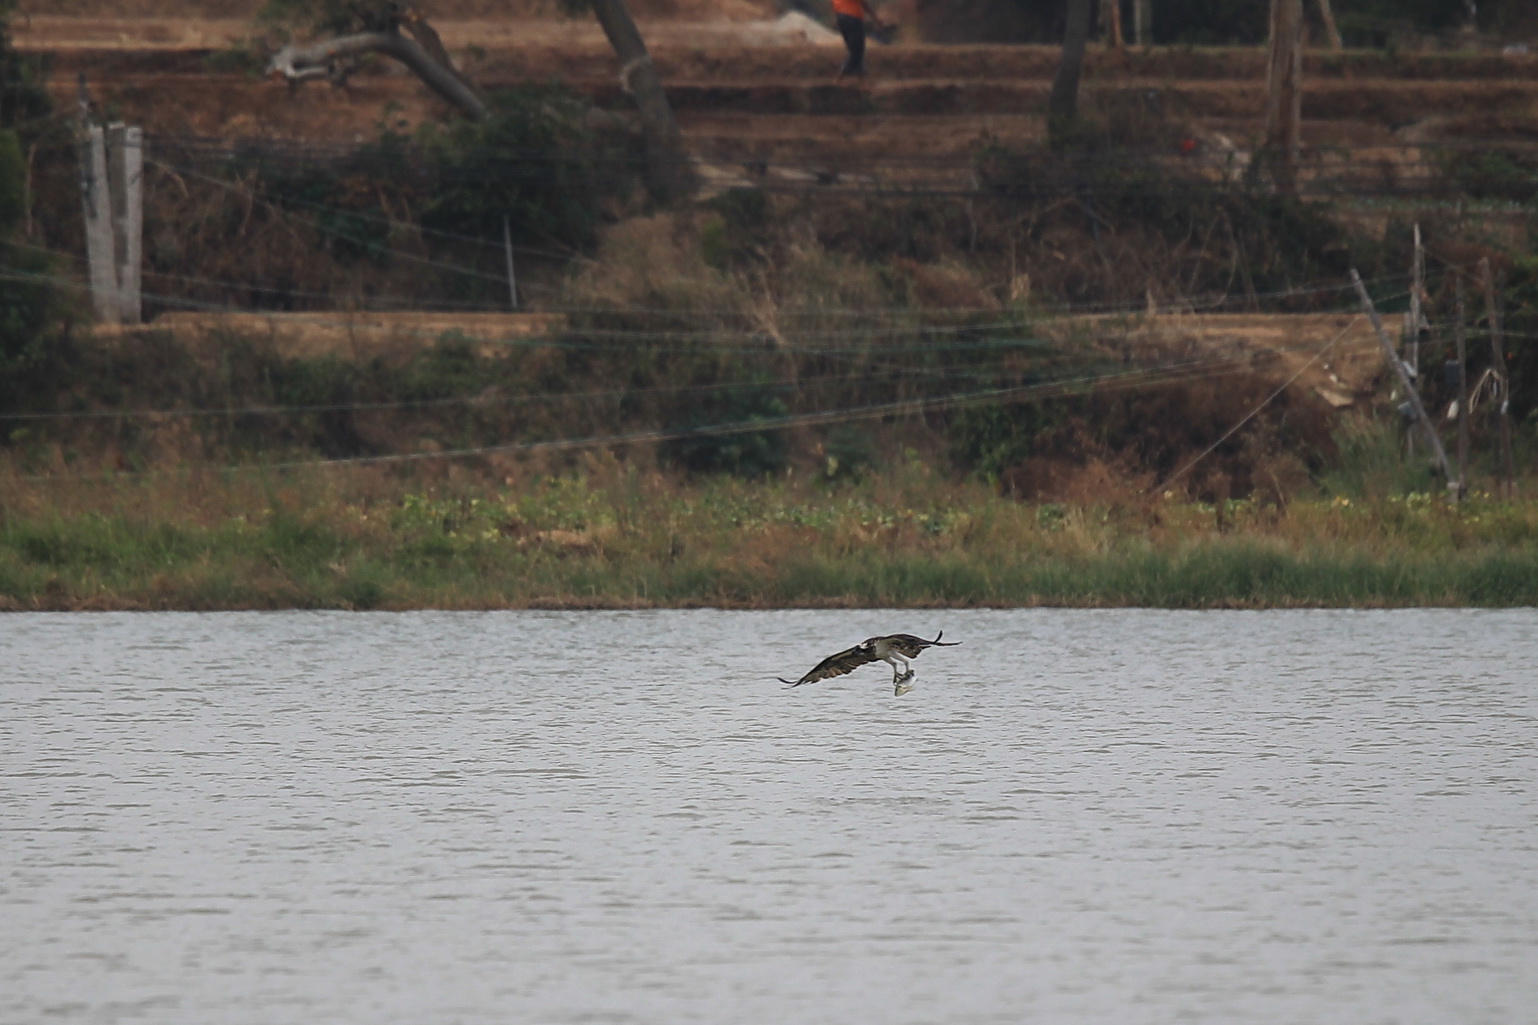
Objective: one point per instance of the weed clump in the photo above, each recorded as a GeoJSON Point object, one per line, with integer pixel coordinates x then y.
{"type": "Point", "coordinates": [400, 221]}
{"type": "Point", "coordinates": [1164, 229]}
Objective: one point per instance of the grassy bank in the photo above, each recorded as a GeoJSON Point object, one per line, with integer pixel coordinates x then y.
{"type": "Point", "coordinates": [616, 537]}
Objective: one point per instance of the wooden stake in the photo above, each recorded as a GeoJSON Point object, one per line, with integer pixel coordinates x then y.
{"type": "Point", "coordinates": [1404, 375]}
{"type": "Point", "coordinates": [1498, 355]}
{"type": "Point", "coordinates": [1140, 19]}
{"type": "Point", "coordinates": [1459, 334]}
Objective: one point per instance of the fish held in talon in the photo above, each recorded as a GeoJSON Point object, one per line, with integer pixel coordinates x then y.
{"type": "Point", "coordinates": [893, 649]}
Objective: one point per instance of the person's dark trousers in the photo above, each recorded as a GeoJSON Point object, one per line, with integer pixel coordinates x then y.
{"type": "Point", "coordinates": [853, 31]}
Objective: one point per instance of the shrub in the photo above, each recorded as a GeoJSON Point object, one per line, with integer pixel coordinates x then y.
{"type": "Point", "coordinates": [743, 453]}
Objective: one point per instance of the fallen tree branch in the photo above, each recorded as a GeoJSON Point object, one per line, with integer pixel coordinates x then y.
{"type": "Point", "coordinates": [318, 60]}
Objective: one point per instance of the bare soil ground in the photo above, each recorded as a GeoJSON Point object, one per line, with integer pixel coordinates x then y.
{"type": "Point", "coordinates": [746, 86]}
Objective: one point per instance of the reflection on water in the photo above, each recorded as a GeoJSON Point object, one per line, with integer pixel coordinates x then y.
{"type": "Point", "coordinates": [1119, 816]}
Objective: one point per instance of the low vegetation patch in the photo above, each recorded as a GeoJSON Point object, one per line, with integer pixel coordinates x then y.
{"type": "Point", "coordinates": [614, 536]}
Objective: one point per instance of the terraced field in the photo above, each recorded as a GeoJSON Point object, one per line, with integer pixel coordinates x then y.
{"type": "Point", "coordinates": [758, 91]}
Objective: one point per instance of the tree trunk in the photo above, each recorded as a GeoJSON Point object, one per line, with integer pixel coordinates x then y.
{"type": "Point", "coordinates": [1331, 33]}
{"type": "Point", "coordinates": [429, 40]}
{"type": "Point", "coordinates": [1063, 108]}
{"type": "Point", "coordinates": [1141, 15]}
{"type": "Point", "coordinates": [670, 177]}
{"type": "Point", "coordinates": [1284, 92]}
{"type": "Point", "coordinates": [1111, 10]}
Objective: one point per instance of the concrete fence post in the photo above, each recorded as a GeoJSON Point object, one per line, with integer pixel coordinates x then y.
{"type": "Point", "coordinates": [112, 195]}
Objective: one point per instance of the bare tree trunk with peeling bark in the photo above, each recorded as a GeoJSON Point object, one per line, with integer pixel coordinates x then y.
{"type": "Point", "coordinates": [320, 60]}
{"type": "Point", "coordinates": [670, 175]}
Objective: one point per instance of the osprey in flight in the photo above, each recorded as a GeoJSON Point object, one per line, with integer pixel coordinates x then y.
{"type": "Point", "coordinates": [891, 649]}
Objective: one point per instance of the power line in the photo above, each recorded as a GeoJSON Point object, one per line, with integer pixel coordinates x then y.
{"type": "Point", "coordinates": [1166, 374]}
{"type": "Point", "coordinates": [1172, 478]}
{"type": "Point", "coordinates": [1015, 317]}
{"type": "Point", "coordinates": [466, 400]}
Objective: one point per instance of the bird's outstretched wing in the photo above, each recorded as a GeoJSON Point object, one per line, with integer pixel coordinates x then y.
{"type": "Point", "coordinates": [836, 665]}
{"type": "Point", "coordinates": [909, 646]}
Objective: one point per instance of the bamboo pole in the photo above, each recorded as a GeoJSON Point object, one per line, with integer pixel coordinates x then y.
{"type": "Point", "coordinates": [1459, 335]}
{"type": "Point", "coordinates": [1498, 356]}
{"type": "Point", "coordinates": [1414, 319]}
{"type": "Point", "coordinates": [1404, 375]}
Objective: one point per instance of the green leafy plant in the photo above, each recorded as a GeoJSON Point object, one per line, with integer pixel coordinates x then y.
{"type": "Point", "coordinates": [745, 453]}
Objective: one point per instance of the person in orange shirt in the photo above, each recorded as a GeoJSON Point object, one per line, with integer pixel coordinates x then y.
{"type": "Point", "coordinates": [851, 16]}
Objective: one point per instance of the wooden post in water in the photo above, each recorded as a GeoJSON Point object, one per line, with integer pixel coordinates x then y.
{"type": "Point", "coordinates": [1459, 334]}
{"type": "Point", "coordinates": [1404, 374]}
{"type": "Point", "coordinates": [1498, 355]}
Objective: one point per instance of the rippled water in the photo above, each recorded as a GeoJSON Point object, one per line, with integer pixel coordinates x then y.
{"type": "Point", "coordinates": [1121, 816]}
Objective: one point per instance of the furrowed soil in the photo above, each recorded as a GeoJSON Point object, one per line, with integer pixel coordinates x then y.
{"type": "Point", "coordinates": [749, 87]}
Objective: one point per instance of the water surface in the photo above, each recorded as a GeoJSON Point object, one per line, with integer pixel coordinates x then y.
{"type": "Point", "coordinates": [1076, 816]}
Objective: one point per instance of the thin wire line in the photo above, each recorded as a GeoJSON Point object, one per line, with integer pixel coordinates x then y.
{"type": "Point", "coordinates": [1007, 319]}
{"type": "Point", "coordinates": [1251, 414]}
{"type": "Point", "coordinates": [1136, 378]}
{"type": "Point", "coordinates": [470, 400]}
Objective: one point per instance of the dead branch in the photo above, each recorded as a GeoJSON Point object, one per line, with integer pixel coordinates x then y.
{"type": "Point", "coordinates": [319, 60]}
